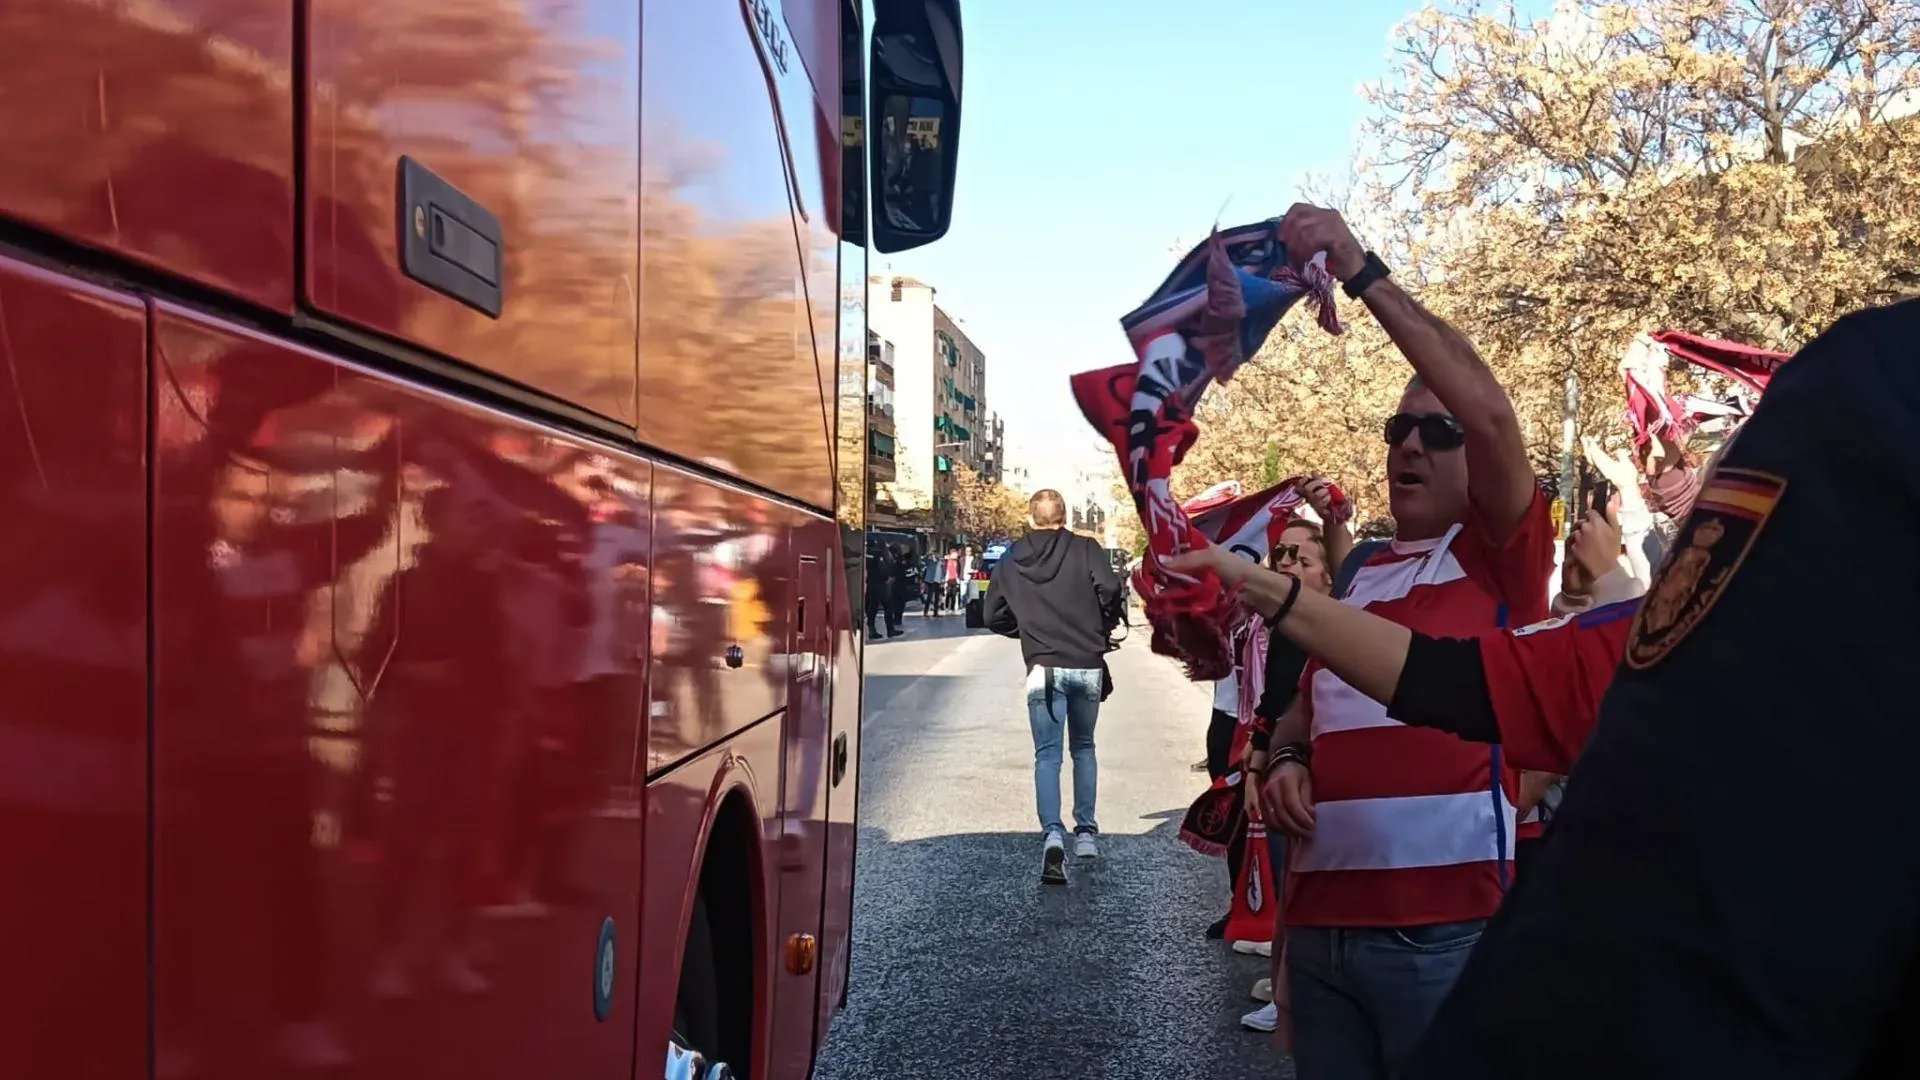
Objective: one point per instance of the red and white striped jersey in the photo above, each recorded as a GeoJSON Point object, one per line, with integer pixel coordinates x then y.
{"type": "Point", "coordinates": [1411, 825]}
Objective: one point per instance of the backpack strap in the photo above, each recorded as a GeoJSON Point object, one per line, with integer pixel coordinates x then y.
{"type": "Point", "coordinates": [1350, 566]}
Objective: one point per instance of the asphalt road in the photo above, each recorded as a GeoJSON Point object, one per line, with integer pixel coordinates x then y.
{"type": "Point", "coordinates": [965, 966]}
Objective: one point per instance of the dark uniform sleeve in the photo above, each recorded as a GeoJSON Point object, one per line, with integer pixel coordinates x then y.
{"type": "Point", "coordinates": [1732, 885]}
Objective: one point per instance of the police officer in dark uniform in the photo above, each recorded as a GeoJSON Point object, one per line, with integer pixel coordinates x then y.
{"type": "Point", "coordinates": [1732, 884]}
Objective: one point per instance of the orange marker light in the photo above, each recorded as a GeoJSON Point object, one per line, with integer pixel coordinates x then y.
{"type": "Point", "coordinates": [801, 950]}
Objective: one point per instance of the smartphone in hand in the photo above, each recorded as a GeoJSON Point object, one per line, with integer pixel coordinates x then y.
{"type": "Point", "coordinates": [1599, 495]}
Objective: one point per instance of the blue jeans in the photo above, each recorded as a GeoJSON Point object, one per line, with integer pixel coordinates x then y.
{"type": "Point", "coordinates": [1362, 998]}
{"type": "Point", "coordinates": [1071, 711]}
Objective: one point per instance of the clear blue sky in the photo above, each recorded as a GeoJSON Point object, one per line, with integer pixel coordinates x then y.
{"type": "Point", "coordinates": [1096, 134]}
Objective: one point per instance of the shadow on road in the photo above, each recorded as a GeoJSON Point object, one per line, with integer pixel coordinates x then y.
{"type": "Point", "coordinates": [967, 966]}
{"type": "Point", "coordinates": [918, 627]}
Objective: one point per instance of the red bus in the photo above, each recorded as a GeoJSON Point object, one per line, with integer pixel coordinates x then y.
{"type": "Point", "coordinates": [433, 525]}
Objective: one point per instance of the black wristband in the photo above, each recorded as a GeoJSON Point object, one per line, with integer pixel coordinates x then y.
{"type": "Point", "coordinates": [1299, 753]}
{"type": "Point", "coordinates": [1371, 271]}
{"type": "Point", "coordinates": [1293, 593]}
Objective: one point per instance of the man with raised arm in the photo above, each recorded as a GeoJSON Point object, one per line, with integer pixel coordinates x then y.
{"type": "Point", "coordinates": [1408, 849]}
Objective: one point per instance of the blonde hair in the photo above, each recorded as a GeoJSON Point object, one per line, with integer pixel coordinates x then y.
{"type": "Point", "coordinates": [1048, 509]}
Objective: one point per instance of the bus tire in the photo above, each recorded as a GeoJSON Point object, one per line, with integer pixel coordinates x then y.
{"type": "Point", "coordinates": [713, 1007]}
{"type": "Point", "coordinates": [696, 1008]}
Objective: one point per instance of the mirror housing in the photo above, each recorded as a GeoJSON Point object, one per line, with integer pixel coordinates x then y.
{"type": "Point", "coordinates": [913, 120]}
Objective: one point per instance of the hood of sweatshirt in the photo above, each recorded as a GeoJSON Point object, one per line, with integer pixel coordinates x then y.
{"type": "Point", "coordinates": [1039, 556]}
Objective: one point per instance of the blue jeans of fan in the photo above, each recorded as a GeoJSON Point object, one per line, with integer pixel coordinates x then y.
{"type": "Point", "coordinates": [1062, 705]}
{"type": "Point", "coordinates": [1362, 997]}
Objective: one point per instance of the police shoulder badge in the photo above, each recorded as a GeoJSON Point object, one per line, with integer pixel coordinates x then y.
{"type": "Point", "coordinates": [1732, 507]}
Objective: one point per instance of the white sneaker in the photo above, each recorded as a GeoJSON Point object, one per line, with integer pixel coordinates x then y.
{"type": "Point", "coordinates": [1085, 846]}
{"type": "Point", "coordinates": [1263, 990]}
{"type": "Point", "coordinates": [1265, 1018]}
{"type": "Point", "coordinates": [1253, 948]}
{"type": "Point", "coordinates": [1053, 859]}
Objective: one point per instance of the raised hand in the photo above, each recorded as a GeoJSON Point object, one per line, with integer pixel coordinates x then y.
{"type": "Point", "coordinates": [1311, 230]}
{"type": "Point", "coordinates": [1319, 495]}
{"type": "Point", "coordinates": [1617, 467]}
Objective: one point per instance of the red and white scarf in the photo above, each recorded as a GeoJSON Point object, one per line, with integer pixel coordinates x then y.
{"type": "Point", "coordinates": [1652, 410]}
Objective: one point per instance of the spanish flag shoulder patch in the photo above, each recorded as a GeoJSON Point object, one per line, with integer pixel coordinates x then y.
{"type": "Point", "coordinates": [1732, 508]}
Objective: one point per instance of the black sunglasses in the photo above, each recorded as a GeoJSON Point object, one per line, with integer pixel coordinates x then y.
{"type": "Point", "coordinates": [1438, 431]}
{"type": "Point", "coordinates": [1283, 553]}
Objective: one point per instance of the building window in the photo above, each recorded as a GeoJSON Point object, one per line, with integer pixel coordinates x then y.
{"type": "Point", "coordinates": [941, 463]}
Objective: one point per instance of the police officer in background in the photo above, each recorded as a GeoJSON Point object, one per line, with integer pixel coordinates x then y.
{"type": "Point", "coordinates": [1732, 884]}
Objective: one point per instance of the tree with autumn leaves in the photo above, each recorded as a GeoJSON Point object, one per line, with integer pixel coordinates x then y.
{"type": "Point", "coordinates": [1744, 169]}
{"type": "Point", "coordinates": [981, 509]}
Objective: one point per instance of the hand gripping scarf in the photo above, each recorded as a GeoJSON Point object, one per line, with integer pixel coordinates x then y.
{"type": "Point", "coordinates": [1209, 317]}
{"type": "Point", "coordinates": [1653, 411]}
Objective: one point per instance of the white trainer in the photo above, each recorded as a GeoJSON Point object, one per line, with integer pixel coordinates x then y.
{"type": "Point", "coordinates": [1053, 859]}
{"type": "Point", "coordinates": [1253, 948]}
{"type": "Point", "coordinates": [1263, 990]}
{"type": "Point", "coordinates": [1085, 846]}
{"type": "Point", "coordinates": [1265, 1018]}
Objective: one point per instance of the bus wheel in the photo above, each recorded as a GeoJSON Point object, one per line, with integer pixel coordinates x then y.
{"type": "Point", "coordinates": [696, 1009]}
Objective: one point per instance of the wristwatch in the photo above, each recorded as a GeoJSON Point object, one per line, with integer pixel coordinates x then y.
{"type": "Point", "coordinates": [1370, 271]}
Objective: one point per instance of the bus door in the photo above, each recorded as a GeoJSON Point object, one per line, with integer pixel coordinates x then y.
{"type": "Point", "coordinates": [803, 806]}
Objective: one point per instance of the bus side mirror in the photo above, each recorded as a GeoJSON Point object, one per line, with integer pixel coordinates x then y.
{"type": "Point", "coordinates": [913, 120]}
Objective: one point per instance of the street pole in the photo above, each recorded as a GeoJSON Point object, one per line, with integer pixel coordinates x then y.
{"type": "Point", "coordinates": [1567, 477]}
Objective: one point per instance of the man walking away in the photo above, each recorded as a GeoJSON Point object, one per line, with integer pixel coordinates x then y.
{"type": "Point", "coordinates": [1057, 593]}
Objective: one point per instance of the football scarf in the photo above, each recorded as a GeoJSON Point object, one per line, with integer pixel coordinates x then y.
{"type": "Point", "coordinates": [1208, 318]}
{"type": "Point", "coordinates": [1214, 819]}
{"type": "Point", "coordinates": [1654, 411]}
{"type": "Point", "coordinates": [1251, 916]}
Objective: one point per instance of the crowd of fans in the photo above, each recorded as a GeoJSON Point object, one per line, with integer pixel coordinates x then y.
{"type": "Point", "coordinates": [1400, 725]}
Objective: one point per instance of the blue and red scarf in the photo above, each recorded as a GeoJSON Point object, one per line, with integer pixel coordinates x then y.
{"type": "Point", "coordinates": [1210, 316]}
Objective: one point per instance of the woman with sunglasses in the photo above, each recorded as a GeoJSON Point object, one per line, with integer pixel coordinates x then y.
{"type": "Point", "coordinates": [1310, 554]}
{"type": "Point", "coordinates": [1244, 704]}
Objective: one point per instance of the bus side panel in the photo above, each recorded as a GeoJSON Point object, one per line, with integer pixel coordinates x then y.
{"type": "Point", "coordinates": [161, 131]}
{"type": "Point", "coordinates": [720, 619]}
{"type": "Point", "coordinates": [73, 725]}
{"type": "Point", "coordinates": [531, 110]}
{"type": "Point", "coordinates": [680, 810]}
{"type": "Point", "coordinates": [728, 373]}
{"type": "Point", "coordinates": [399, 672]}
